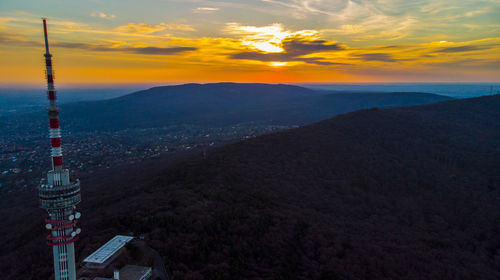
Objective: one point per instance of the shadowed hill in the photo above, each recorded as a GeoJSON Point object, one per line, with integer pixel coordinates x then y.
{"type": "Point", "coordinates": [226, 104]}
{"type": "Point", "coordinates": [213, 105]}
{"type": "Point", "coordinates": [402, 193]}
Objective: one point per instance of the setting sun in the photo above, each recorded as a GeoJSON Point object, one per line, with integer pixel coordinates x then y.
{"type": "Point", "coordinates": [277, 63]}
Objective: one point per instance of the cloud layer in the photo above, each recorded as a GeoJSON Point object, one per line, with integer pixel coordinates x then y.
{"type": "Point", "coordinates": [314, 40]}
{"type": "Point", "coordinates": [142, 28]}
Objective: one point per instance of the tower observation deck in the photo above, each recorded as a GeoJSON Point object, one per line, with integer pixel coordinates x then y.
{"type": "Point", "coordinates": [58, 194]}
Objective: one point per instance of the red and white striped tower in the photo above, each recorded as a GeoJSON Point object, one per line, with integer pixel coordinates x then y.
{"type": "Point", "coordinates": [54, 128]}
{"type": "Point", "coordinates": [58, 195]}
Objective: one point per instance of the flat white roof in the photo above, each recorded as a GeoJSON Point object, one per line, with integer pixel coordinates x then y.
{"type": "Point", "coordinates": [108, 249]}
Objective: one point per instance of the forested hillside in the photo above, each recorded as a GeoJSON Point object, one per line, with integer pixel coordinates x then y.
{"type": "Point", "coordinates": [213, 105]}
{"type": "Point", "coordinates": [402, 193]}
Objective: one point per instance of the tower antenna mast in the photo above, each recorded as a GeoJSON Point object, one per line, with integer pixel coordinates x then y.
{"type": "Point", "coordinates": [58, 195]}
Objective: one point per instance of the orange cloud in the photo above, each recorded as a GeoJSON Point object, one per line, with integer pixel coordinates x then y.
{"type": "Point", "coordinates": [205, 10]}
{"type": "Point", "coordinates": [102, 15]}
{"type": "Point", "coordinates": [139, 52]}
{"type": "Point", "coordinates": [143, 28]}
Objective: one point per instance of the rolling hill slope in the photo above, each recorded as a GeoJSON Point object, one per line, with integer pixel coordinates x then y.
{"type": "Point", "coordinates": [402, 193]}
{"type": "Point", "coordinates": [216, 105]}
{"type": "Point", "coordinates": [229, 103]}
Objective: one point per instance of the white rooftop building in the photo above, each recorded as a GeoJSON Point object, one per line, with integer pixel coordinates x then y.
{"type": "Point", "coordinates": [103, 256]}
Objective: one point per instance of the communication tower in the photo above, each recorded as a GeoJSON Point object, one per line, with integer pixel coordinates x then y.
{"type": "Point", "coordinates": [58, 194]}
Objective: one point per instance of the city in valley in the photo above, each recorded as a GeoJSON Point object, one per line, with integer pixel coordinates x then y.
{"type": "Point", "coordinates": [24, 153]}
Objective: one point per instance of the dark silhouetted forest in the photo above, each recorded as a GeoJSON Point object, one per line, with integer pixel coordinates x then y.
{"type": "Point", "coordinates": [402, 193]}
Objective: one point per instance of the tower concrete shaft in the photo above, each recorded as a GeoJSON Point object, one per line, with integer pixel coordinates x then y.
{"type": "Point", "coordinates": [58, 194]}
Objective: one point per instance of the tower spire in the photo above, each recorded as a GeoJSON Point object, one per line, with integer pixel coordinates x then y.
{"type": "Point", "coordinates": [54, 127]}
{"type": "Point", "coordinates": [58, 195]}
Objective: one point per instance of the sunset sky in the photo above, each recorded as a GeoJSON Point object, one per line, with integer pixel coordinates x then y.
{"type": "Point", "coordinates": [99, 42]}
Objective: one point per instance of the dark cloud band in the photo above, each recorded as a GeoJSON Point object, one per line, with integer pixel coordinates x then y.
{"type": "Point", "coordinates": [12, 39]}
{"type": "Point", "coordinates": [144, 50]}
{"type": "Point", "coordinates": [463, 49]}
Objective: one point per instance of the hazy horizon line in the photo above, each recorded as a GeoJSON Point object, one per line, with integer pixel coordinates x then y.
{"type": "Point", "coordinates": [149, 85]}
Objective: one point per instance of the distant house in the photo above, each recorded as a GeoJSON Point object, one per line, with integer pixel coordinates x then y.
{"type": "Point", "coordinates": [103, 256]}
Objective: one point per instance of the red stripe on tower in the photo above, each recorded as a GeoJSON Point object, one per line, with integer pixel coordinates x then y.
{"type": "Point", "coordinates": [63, 243]}
{"type": "Point", "coordinates": [54, 123]}
{"type": "Point", "coordinates": [55, 142]}
{"type": "Point", "coordinates": [57, 160]}
{"type": "Point", "coordinates": [44, 28]}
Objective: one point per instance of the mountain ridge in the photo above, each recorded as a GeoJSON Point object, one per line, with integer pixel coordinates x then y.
{"type": "Point", "coordinates": [215, 105]}
{"type": "Point", "coordinates": [231, 103]}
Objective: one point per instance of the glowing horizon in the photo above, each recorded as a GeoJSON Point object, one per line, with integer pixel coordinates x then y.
{"type": "Point", "coordinates": [273, 41]}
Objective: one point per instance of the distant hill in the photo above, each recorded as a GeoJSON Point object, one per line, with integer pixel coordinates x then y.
{"type": "Point", "coordinates": [213, 105]}
{"type": "Point", "coordinates": [226, 104]}
{"type": "Point", "coordinates": [402, 193]}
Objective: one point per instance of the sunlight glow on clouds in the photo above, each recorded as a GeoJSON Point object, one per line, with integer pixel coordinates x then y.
{"type": "Point", "coordinates": [102, 15]}
{"type": "Point", "coordinates": [143, 28]}
{"type": "Point", "coordinates": [278, 63]}
{"type": "Point", "coordinates": [266, 40]}
{"type": "Point", "coordinates": [205, 10]}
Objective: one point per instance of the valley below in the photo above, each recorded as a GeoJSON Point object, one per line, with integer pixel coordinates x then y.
{"type": "Point", "coordinates": [397, 193]}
